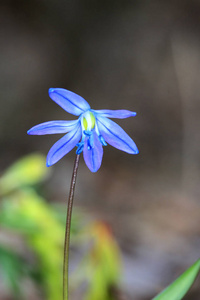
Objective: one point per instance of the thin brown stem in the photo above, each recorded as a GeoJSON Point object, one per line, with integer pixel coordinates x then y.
{"type": "Point", "coordinates": [67, 231]}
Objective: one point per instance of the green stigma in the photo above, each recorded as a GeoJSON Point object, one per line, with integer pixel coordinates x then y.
{"type": "Point", "coordinates": [89, 121]}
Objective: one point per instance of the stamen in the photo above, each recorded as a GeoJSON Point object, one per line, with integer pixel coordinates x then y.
{"type": "Point", "coordinates": [89, 146]}
{"type": "Point", "coordinates": [102, 140]}
{"type": "Point", "coordinates": [80, 148]}
{"type": "Point", "coordinates": [90, 142]}
{"type": "Point", "coordinates": [87, 132]}
{"type": "Point", "coordinates": [91, 138]}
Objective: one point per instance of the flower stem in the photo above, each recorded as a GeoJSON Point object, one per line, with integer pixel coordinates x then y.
{"type": "Point", "coordinates": [67, 230]}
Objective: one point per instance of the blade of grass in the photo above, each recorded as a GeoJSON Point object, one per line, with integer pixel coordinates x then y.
{"type": "Point", "coordinates": [178, 289]}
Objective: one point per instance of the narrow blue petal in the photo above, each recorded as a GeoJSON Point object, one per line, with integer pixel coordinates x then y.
{"type": "Point", "coordinates": [69, 101]}
{"type": "Point", "coordinates": [52, 127]}
{"type": "Point", "coordinates": [93, 155]}
{"type": "Point", "coordinates": [120, 114]}
{"type": "Point", "coordinates": [116, 136]}
{"type": "Point", "coordinates": [64, 145]}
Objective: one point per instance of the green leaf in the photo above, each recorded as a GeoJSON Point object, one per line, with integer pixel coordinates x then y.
{"type": "Point", "coordinates": [178, 289]}
{"type": "Point", "coordinates": [26, 171]}
{"type": "Point", "coordinates": [12, 269]}
{"type": "Point", "coordinates": [103, 263]}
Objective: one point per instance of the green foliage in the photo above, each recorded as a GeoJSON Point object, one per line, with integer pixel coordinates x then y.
{"type": "Point", "coordinates": [25, 172]}
{"type": "Point", "coordinates": [43, 234]}
{"type": "Point", "coordinates": [178, 289]}
{"type": "Point", "coordinates": [13, 269]}
{"type": "Point", "coordinates": [102, 263]}
{"type": "Point", "coordinates": [24, 213]}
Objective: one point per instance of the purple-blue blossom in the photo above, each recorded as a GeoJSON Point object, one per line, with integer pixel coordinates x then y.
{"type": "Point", "coordinates": [90, 132]}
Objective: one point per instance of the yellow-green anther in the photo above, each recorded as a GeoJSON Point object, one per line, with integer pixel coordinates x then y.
{"type": "Point", "coordinates": [88, 121]}
{"type": "Point", "coordinates": [85, 125]}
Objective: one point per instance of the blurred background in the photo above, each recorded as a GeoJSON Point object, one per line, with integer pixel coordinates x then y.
{"type": "Point", "coordinates": [138, 55]}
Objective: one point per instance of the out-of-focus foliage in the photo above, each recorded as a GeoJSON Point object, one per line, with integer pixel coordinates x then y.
{"type": "Point", "coordinates": [13, 269]}
{"type": "Point", "coordinates": [103, 271]}
{"type": "Point", "coordinates": [23, 212]}
{"type": "Point", "coordinates": [101, 263]}
{"type": "Point", "coordinates": [178, 289]}
{"type": "Point", "coordinates": [28, 213]}
{"type": "Point", "coordinates": [27, 171]}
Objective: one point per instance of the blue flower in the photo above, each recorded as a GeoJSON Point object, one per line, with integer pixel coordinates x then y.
{"type": "Point", "coordinates": [90, 132]}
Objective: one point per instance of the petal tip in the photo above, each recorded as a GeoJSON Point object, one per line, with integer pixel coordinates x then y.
{"type": "Point", "coordinates": [137, 151]}
{"type": "Point", "coordinates": [94, 170]}
{"type": "Point", "coordinates": [30, 132]}
{"type": "Point", "coordinates": [51, 90]}
{"type": "Point", "coordinates": [48, 164]}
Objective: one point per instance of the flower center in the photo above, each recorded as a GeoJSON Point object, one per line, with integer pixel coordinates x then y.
{"type": "Point", "coordinates": [88, 121]}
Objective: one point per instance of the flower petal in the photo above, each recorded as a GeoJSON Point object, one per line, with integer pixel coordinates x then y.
{"type": "Point", "coordinates": [52, 127]}
{"type": "Point", "coordinates": [69, 101]}
{"type": "Point", "coordinates": [120, 114]}
{"type": "Point", "coordinates": [116, 136]}
{"type": "Point", "coordinates": [64, 145]}
{"type": "Point", "coordinates": [93, 155]}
